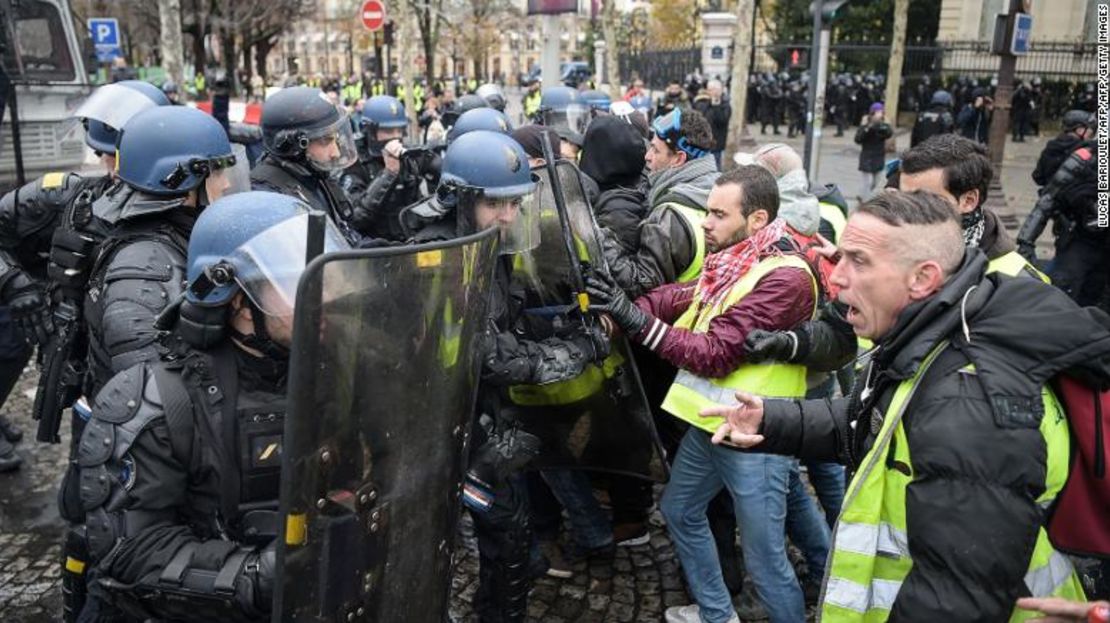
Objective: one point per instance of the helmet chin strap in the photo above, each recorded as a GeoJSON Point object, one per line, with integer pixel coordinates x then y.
{"type": "Point", "coordinates": [260, 340]}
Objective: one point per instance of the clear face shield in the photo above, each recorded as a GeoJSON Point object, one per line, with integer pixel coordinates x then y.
{"type": "Point", "coordinates": [332, 147]}
{"type": "Point", "coordinates": [269, 266]}
{"type": "Point", "coordinates": [575, 118]}
{"type": "Point", "coordinates": [113, 105]}
{"type": "Point", "coordinates": [517, 217]}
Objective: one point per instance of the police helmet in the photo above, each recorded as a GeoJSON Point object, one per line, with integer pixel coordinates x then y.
{"type": "Point", "coordinates": [641, 103]}
{"type": "Point", "coordinates": [462, 105]}
{"type": "Point", "coordinates": [597, 100]}
{"type": "Point", "coordinates": [563, 109]}
{"type": "Point", "coordinates": [493, 95]}
{"type": "Point", "coordinates": [301, 124]}
{"type": "Point", "coordinates": [500, 182]}
{"type": "Point", "coordinates": [171, 150]}
{"type": "Point", "coordinates": [253, 242]}
{"type": "Point", "coordinates": [113, 105]}
{"type": "Point", "coordinates": [1075, 119]}
{"type": "Point", "coordinates": [169, 87]}
{"type": "Point", "coordinates": [941, 98]}
{"type": "Point", "coordinates": [381, 111]}
{"type": "Point", "coordinates": [480, 119]}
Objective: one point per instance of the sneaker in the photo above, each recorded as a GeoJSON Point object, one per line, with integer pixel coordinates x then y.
{"type": "Point", "coordinates": [9, 460]}
{"type": "Point", "coordinates": [557, 564]}
{"type": "Point", "coordinates": [10, 431]}
{"type": "Point", "coordinates": [689, 614]}
{"type": "Point", "coordinates": [631, 534]}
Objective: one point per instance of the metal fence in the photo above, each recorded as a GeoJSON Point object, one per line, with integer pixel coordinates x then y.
{"type": "Point", "coordinates": [1050, 60]}
{"type": "Point", "coordinates": [659, 67]}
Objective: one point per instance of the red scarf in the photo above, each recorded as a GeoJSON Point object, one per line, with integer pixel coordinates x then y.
{"type": "Point", "coordinates": [724, 268]}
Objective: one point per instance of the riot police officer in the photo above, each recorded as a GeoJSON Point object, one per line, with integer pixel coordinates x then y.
{"type": "Point", "coordinates": [308, 141]}
{"type": "Point", "coordinates": [597, 101]}
{"type": "Point", "coordinates": [183, 515]}
{"type": "Point", "coordinates": [934, 120]}
{"type": "Point", "coordinates": [493, 95]}
{"type": "Point", "coordinates": [497, 191]}
{"type": "Point", "coordinates": [564, 110]}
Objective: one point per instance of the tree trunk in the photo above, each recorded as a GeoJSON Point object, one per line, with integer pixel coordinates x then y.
{"type": "Point", "coordinates": [169, 14]}
{"type": "Point", "coordinates": [738, 93]}
{"type": "Point", "coordinates": [897, 55]}
{"type": "Point", "coordinates": [247, 46]}
{"type": "Point", "coordinates": [227, 42]}
{"type": "Point", "coordinates": [200, 56]}
{"type": "Point", "coordinates": [262, 49]}
{"type": "Point", "coordinates": [405, 65]}
{"type": "Point", "coordinates": [609, 29]}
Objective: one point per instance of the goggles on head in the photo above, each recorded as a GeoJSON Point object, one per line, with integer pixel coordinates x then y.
{"type": "Point", "coordinates": [669, 130]}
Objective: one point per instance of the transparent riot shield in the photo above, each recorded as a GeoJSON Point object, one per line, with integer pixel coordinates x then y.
{"type": "Point", "coordinates": [600, 420]}
{"type": "Point", "coordinates": [383, 381]}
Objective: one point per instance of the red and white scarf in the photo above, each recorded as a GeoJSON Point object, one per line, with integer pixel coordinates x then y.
{"type": "Point", "coordinates": [724, 268]}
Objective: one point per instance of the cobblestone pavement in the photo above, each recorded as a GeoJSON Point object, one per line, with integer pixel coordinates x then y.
{"type": "Point", "coordinates": [636, 586]}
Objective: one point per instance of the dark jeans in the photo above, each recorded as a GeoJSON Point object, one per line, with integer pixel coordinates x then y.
{"type": "Point", "coordinates": [1080, 268]}
{"type": "Point", "coordinates": [551, 491]}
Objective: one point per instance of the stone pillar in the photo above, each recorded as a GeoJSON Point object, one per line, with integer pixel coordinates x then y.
{"type": "Point", "coordinates": [717, 33]}
{"type": "Point", "coordinates": [600, 70]}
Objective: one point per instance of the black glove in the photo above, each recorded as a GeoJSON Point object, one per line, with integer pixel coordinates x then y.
{"type": "Point", "coordinates": [608, 297]}
{"type": "Point", "coordinates": [504, 452]}
{"type": "Point", "coordinates": [1027, 249]}
{"type": "Point", "coordinates": [266, 561]}
{"type": "Point", "coordinates": [29, 307]}
{"type": "Point", "coordinates": [763, 346]}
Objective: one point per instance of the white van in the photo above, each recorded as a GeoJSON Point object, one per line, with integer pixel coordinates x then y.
{"type": "Point", "coordinates": [42, 58]}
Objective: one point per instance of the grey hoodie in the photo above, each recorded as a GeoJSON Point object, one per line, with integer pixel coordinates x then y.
{"type": "Point", "coordinates": [797, 206]}
{"type": "Point", "coordinates": [691, 181]}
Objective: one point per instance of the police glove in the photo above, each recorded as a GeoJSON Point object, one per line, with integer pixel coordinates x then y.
{"type": "Point", "coordinates": [761, 346]}
{"type": "Point", "coordinates": [592, 341]}
{"type": "Point", "coordinates": [263, 565]}
{"type": "Point", "coordinates": [608, 297]}
{"type": "Point", "coordinates": [1027, 249]}
{"type": "Point", "coordinates": [29, 307]}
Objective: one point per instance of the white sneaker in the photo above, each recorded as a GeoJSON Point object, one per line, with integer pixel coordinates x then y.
{"type": "Point", "coordinates": [689, 614]}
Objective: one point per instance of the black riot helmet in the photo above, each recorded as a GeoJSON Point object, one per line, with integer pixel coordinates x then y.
{"type": "Point", "coordinates": [466, 103]}
{"type": "Point", "coordinates": [302, 125]}
{"type": "Point", "coordinates": [1075, 119]}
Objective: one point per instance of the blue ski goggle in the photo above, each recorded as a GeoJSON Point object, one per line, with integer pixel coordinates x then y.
{"type": "Point", "coordinates": [669, 130]}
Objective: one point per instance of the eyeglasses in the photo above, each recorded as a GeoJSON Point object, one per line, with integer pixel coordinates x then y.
{"type": "Point", "coordinates": [669, 130]}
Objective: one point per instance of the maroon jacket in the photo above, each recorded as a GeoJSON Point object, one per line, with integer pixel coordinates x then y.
{"type": "Point", "coordinates": [782, 300]}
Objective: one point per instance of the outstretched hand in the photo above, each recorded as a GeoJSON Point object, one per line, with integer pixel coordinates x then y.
{"type": "Point", "coordinates": [742, 421]}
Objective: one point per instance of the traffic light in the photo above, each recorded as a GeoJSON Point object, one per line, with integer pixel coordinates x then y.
{"type": "Point", "coordinates": [829, 9]}
{"type": "Point", "coordinates": [389, 32]}
{"type": "Point", "coordinates": [798, 58]}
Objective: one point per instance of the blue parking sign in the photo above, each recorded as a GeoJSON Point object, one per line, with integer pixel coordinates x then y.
{"type": "Point", "coordinates": [1023, 30]}
{"type": "Point", "coordinates": [104, 32]}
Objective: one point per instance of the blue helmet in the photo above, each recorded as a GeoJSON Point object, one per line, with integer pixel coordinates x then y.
{"type": "Point", "coordinates": [563, 110]}
{"type": "Point", "coordinates": [111, 106]}
{"type": "Point", "coordinates": [941, 97]}
{"type": "Point", "coordinates": [489, 163]}
{"type": "Point", "coordinates": [641, 103]}
{"type": "Point", "coordinates": [480, 119]}
{"type": "Point", "coordinates": [171, 150]}
{"type": "Point", "coordinates": [560, 98]}
{"type": "Point", "coordinates": [597, 100]}
{"type": "Point", "coordinates": [384, 111]}
{"type": "Point", "coordinates": [254, 242]}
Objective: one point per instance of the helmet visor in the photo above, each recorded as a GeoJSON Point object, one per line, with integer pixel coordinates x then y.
{"type": "Point", "coordinates": [113, 105]}
{"type": "Point", "coordinates": [574, 118]}
{"type": "Point", "coordinates": [332, 147]}
{"type": "Point", "coordinates": [269, 265]}
{"type": "Point", "coordinates": [517, 217]}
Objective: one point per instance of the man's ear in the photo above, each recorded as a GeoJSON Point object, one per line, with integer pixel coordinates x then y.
{"type": "Point", "coordinates": [758, 220]}
{"type": "Point", "coordinates": [969, 201]}
{"type": "Point", "coordinates": [682, 156]}
{"type": "Point", "coordinates": [927, 278]}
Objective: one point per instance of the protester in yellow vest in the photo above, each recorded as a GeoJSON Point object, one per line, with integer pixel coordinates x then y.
{"type": "Point", "coordinates": [681, 173]}
{"type": "Point", "coordinates": [754, 278]}
{"type": "Point", "coordinates": [957, 442]}
{"type": "Point", "coordinates": [531, 102]}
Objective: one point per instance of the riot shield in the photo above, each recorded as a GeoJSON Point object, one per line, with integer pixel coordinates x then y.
{"type": "Point", "coordinates": [600, 420]}
{"type": "Point", "coordinates": [383, 381]}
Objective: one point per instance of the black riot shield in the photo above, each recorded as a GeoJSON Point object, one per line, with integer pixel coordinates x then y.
{"type": "Point", "coordinates": [600, 420]}
{"type": "Point", "coordinates": [382, 390]}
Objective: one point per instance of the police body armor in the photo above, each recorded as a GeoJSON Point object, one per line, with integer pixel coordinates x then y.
{"type": "Point", "coordinates": [222, 485]}
{"type": "Point", "coordinates": [321, 192]}
{"type": "Point", "coordinates": [379, 207]}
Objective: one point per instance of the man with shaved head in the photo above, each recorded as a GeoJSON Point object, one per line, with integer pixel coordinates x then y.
{"type": "Point", "coordinates": [955, 438]}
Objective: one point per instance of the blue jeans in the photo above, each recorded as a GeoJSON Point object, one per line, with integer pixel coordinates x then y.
{"type": "Point", "coordinates": [806, 526]}
{"type": "Point", "coordinates": [758, 484]}
{"type": "Point", "coordinates": [588, 524]}
{"type": "Point", "coordinates": [828, 480]}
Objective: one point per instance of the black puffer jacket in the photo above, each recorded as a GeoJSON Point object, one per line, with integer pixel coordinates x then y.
{"type": "Point", "coordinates": [1055, 153]}
{"type": "Point", "coordinates": [978, 454]}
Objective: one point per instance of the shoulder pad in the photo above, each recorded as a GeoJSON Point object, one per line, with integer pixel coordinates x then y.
{"type": "Point", "coordinates": [120, 398]}
{"type": "Point", "coordinates": [1084, 153]}
{"type": "Point", "coordinates": [146, 259]}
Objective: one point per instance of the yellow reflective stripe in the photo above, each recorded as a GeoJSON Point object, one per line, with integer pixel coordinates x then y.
{"type": "Point", "coordinates": [75, 566]}
{"type": "Point", "coordinates": [296, 529]}
{"type": "Point", "coordinates": [880, 594]}
{"type": "Point", "coordinates": [53, 180]}
{"type": "Point", "coordinates": [694, 218]}
{"type": "Point", "coordinates": [867, 539]}
{"type": "Point", "coordinates": [569, 391]}
{"type": "Point", "coordinates": [1013, 265]}
{"type": "Point", "coordinates": [1045, 580]}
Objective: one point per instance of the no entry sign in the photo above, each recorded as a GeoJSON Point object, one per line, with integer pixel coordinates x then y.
{"type": "Point", "coordinates": [372, 15]}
